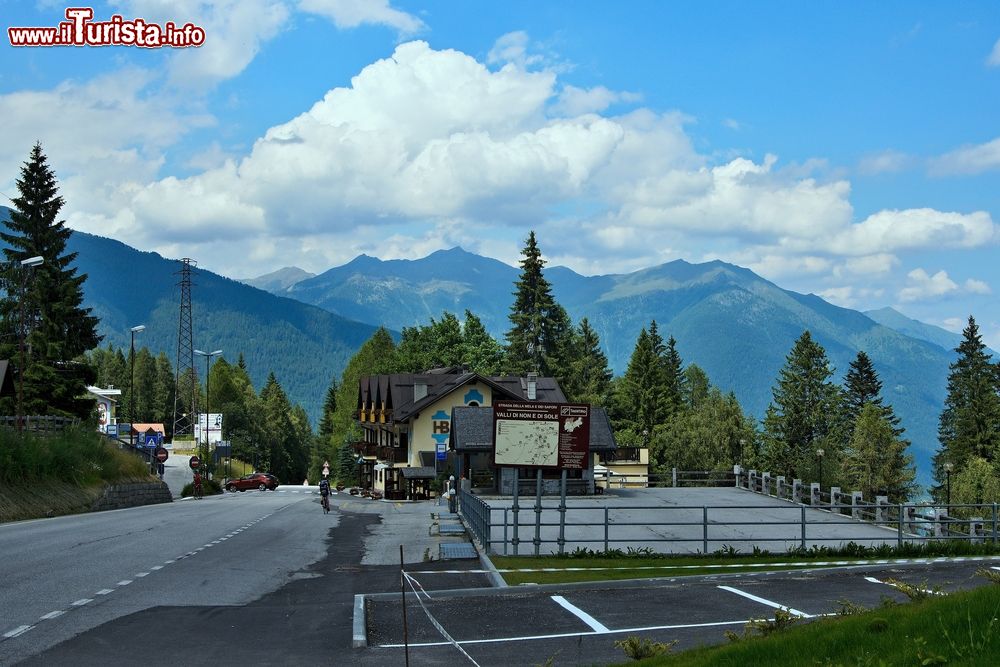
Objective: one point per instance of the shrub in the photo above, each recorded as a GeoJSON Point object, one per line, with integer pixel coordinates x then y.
{"type": "Point", "coordinates": [640, 648]}
{"type": "Point", "coordinates": [209, 487]}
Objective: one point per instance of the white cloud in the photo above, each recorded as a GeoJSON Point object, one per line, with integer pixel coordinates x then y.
{"type": "Point", "coordinates": [974, 286]}
{"type": "Point", "coordinates": [235, 31]}
{"type": "Point", "coordinates": [513, 48]}
{"type": "Point", "coordinates": [575, 101]}
{"type": "Point", "coordinates": [973, 159]}
{"type": "Point", "coordinates": [885, 162]}
{"type": "Point", "coordinates": [922, 286]}
{"type": "Point", "coordinates": [892, 231]}
{"type": "Point", "coordinates": [732, 124]}
{"type": "Point", "coordinates": [851, 296]}
{"type": "Point", "coordinates": [352, 13]}
{"type": "Point", "coordinates": [994, 58]}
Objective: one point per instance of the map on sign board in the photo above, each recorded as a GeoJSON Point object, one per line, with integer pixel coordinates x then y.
{"type": "Point", "coordinates": [541, 435]}
{"type": "Point", "coordinates": [527, 443]}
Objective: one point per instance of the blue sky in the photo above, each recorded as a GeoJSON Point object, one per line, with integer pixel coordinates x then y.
{"type": "Point", "coordinates": [846, 149]}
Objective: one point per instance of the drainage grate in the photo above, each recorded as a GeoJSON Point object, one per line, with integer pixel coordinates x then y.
{"type": "Point", "coordinates": [457, 550]}
{"type": "Point", "coordinates": [448, 529]}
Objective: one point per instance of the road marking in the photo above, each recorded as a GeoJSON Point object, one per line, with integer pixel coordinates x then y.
{"type": "Point", "coordinates": [104, 591]}
{"type": "Point", "coordinates": [156, 567]}
{"type": "Point", "coordinates": [168, 562]}
{"type": "Point", "coordinates": [499, 640]}
{"type": "Point", "coordinates": [769, 603]}
{"type": "Point", "coordinates": [896, 586]}
{"type": "Point", "coordinates": [139, 575]}
{"type": "Point", "coordinates": [215, 541]}
{"type": "Point", "coordinates": [18, 631]}
{"type": "Point", "coordinates": [80, 603]}
{"type": "Point", "coordinates": [52, 614]}
{"type": "Point", "coordinates": [594, 624]}
{"type": "Point", "coordinates": [124, 582]}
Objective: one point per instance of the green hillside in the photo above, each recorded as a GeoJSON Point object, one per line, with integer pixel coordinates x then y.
{"type": "Point", "coordinates": [304, 345]}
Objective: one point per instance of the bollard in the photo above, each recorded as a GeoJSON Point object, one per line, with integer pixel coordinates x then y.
{"type": "Point", "coordinates": [835, 499]}
{"type": "Point", "coordinates": [779, 488]}
{"type": "Point", "coordinates": [765, 482]}
{"type": "Point", "coordinates": [881, 509]}
{"type": "Point", "coordinates": [911, 519]}
{"type": "Point", "coordinates": [814, 498]}
{"type": "Point", "coordinates": [940, 521]}
{"type": "Point", "coordinates": [797, 491]}
{"type": "Point", "coordinates": [674, 476]}
{"type": "Point", "coordinates": [752, 480]}
{"type": "Point", "coordinates": [976, 528]}
{"type": "Point", "coordinates": [856, 505]}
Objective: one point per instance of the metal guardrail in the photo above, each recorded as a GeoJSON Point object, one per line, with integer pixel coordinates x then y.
{"type": "Point", "coordinates": [902, 522]}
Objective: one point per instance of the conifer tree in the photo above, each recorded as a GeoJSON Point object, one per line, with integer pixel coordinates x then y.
{"type": "Point", "coordinates": [538, 339]}
{"type": "Point", "coordinates": [876, 462]}
{"type": "Point", "coordinates": [56, 371]}
{"type": "Point", "coordinates": [969, 425]}
{"type": "Point", "coordinates": [804, 415]}
{"type": "Point", "coordinates": [589, 377]}
{"type": "Point", "coordinates": [481, 352]}
{"type": "Point", "coordinates": [639, 395]}
{"type": "Point", "coordinates": [673, 378]}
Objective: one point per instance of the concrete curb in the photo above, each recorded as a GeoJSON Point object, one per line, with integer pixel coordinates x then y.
{"type": "Point", "coordinates": [360, 639]}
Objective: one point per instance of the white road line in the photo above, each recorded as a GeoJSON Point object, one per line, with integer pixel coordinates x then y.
{"type": "Point", "coordinates": [156, 567]}
{"type": "Point", "coordinates": [104, 591]}
{"type": "Point", "coordinates": [17, 632]}
{"type": "Point", "coordinates": [52, 614]}
{"type": "Point", "coordinates": [215, 541]}
{"type": "Point", "coordinates": [139, 575]}
{"type": "Point", "coordinates": [594, 624]}
{"type": "Point", "coordinates": [500, 640]}
{"type": "Point", "coordinates": [168, 562]}
{"type": "Point", "coordinates": [80, 603]}
{"type": "Point", "coordinates": [886, 583]}
{"type": "Point", "coordinates": [769, 603]}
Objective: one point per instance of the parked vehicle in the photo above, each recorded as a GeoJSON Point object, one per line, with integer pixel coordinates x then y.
{"type": "Point", "coordinates": [257, 480]}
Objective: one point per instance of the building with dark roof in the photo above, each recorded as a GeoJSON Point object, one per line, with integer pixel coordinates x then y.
{"type": "Point", "coordinates": [419, 426]}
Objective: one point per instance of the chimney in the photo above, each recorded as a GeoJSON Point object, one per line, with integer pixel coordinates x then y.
{"type": "Point", "coordinates": [419, 390]}
{"type": "Point", "coordinates": [532, 386]}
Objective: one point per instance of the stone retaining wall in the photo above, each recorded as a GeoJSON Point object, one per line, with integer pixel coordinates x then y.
{"type": "Point", "coordinates": [132, 495]}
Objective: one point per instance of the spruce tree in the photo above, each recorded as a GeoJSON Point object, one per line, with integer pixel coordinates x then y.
{"type": "Point", "coordinates": [540, 329]}
{"type": "Point", "coordinates": [589, 377]}
{"type": "Point", "coordinates": [639, 395]}
{"type": "Point", "coordinates": [969, 425]}
{"type": "Point", "coordinates": [674, 379]}
{"type": "Point", "coordinates": [804, 415]}
{"type": "Point", "coordinates": [329, 408]}
{"type": "Point", "coordinates": [482, 353]}
{"type": "Point", "coordinates": [56, 371]}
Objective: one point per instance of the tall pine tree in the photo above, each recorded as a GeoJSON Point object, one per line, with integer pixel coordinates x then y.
{"type": "Point", "coordinates": [538, 340]}
{"type": "Point", "coordinates": [969, 426]}
{"type": "Point", "coordinates": [805, 415]}
{"type": "Point", "coordinates": [56, 372]}
{"type": "Point", "coordinates": [589, 377]}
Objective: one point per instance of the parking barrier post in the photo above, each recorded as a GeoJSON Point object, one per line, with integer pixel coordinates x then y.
{"type": "Point", "coordinates": [881, 507]}
{"type": "Point", "coordinates": [835, 499]}
{"type": "Point", "coordinates": [899, 529]}
{"type": "Point", "coordinates": [814, 498]}
{"type": "Point", "coordinates": [605, 530]}
{"type": "Point", "coordinates": [803, 515]}
{"type": "Point", "coordinates": [765, 482]}
{"type": "Point", "coordinates": [797, 491]}
{"type": "Point", "coordinates": [779, 489]}
{"type": "Point", "coordinates": [856, 505]}
{"type": "Point", "coordinates": [704, 529]}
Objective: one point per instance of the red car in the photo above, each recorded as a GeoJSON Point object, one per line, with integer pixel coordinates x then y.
{"type": "Point", "coordinates": [257, 480]}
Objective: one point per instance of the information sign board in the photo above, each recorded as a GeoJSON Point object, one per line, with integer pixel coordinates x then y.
{"type": "Point", "coordinates": [541, 435]}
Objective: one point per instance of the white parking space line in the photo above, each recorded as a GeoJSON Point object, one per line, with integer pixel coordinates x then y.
{"type": "Point", "coordinates": [501, 640]}
{"type": "Point", "coordinates": [53, 614]}
{"type": "Point", "coordinates": [594, 624]}
{"type": "Point", "coordinates": [769, 603]}
{"type": "Point", "coordinates": [896, 586]}
{"type": "Point", "coordinates": [17, 632]}
{"type": "Point", "coordinates": [80, 603]}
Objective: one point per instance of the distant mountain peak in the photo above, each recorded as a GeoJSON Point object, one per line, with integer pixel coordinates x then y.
{"type": "Point", "coordinates": [278, 281]}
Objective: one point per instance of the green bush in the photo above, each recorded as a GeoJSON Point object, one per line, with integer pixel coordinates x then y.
{"type": "Point", "coordinates": [209, 487]}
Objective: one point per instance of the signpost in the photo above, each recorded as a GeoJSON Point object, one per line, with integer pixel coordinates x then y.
{"type": "Point", "coordinates": [543, 436]}
{"type": "Point", "coordinates": [194, 462]}
{"type": "Point", "coordinates": [161, 454]}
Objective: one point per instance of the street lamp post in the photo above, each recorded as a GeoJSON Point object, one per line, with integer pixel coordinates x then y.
{"type": "Point", "coordinates": [948, 467]}
{"type": "Point", "coordinates": [131, 385]}
{"type": "Point", "coordinates": [208, 360]}
{"type": "Point", "coordinates": [26, 264]}
{"type": "Point", "coordinates": [819, 454]}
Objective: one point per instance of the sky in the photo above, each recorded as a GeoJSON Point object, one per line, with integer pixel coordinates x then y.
{"type": "Point", "coordinates": [851, 150]}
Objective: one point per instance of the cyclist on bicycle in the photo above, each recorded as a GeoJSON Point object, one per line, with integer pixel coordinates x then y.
{"type": "Point", "coordinates": [324, 492]}
{"type": "Point", "coordinates": [197, 492]}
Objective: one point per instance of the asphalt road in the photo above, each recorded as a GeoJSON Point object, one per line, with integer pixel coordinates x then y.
{"type": "Point", "coordinates": [266, 578]}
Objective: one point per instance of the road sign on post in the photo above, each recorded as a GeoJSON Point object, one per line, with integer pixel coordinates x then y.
{"type": "Point", "coordinates": [194, 462]}
{"type": "Point", "coordinates": [161, 454]}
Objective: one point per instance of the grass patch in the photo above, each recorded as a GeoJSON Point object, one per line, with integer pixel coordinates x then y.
{"type": "Point", "coordinates": [586, 565]}
{"type": "Point", "coordinates": [961, 628]}
{"type": "Point", "coordinates": [51, 474]}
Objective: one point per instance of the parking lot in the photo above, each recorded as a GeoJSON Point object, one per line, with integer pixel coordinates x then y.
{"type": "Point", "coordinates": [578, 624]}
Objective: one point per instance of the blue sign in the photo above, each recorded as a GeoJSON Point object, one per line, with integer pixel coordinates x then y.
{"type": "Point", "coordinates": [152, 440]}
{"type": "Point", "coordinates": [113, 429]}
{"type": "Point", "coordinates": [442, 451]}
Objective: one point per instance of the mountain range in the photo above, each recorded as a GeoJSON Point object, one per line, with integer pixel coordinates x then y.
{"type": "Point", "coordinates": [305, 346]}
{"type": "Point", "coordinates": [736, 325]}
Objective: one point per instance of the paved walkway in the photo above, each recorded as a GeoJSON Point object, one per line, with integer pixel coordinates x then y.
{"type": "Point", "coordinates": [677, 520]}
